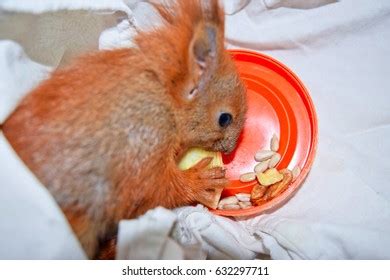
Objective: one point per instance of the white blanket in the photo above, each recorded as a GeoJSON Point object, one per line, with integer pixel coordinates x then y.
{"type": "Point", "coordinates": [339, 49]}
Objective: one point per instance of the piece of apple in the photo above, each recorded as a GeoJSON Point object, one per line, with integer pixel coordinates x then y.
{"type": "Point", "coordinates": [194, 155]}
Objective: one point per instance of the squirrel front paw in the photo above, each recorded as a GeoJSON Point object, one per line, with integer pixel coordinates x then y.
{"type": "Point", "coordinates": [207, 183]}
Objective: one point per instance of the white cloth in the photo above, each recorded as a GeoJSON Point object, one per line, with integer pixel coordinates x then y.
{"type": "Point", "coordinates": [148, 237]}
{"type": "Point", "coordinates": [340, 51]}
{"type": "Point", "coordinates": [31, 223]}
{"type": "Point", "coordinates": [15, 66]}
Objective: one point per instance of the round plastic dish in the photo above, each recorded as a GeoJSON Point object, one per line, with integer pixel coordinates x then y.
{"type": "Point", "coordinates": [278, 103]}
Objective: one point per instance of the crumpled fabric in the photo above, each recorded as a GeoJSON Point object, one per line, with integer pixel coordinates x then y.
{"type": "Point", "coordinates": [339, 49]}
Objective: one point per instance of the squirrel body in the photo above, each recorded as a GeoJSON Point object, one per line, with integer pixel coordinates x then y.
{"type": "Point", "coordinates": [105, 134]}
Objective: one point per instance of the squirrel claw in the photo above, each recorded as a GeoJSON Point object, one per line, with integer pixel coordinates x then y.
{"type": "Point", "coordinates": [208, 183]}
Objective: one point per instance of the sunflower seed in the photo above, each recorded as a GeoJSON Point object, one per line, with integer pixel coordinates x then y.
{"type": "Point", "coordinates": [243, 197]}
{"type": "Point", "coordinates": [228, 200]}
{"type": "Point", "coordinates": [231, 207]}
{"type": "Point", "coordinates": [274, 143]}
{"type": "Point", "coordinates": [274, 160]}
{"type": "Point", "coordinates": [247, 177]}
{"type": "Point", "coordinates": [261, 166]}
{"type": "Point", "coordinates": [263, 155]}
{"type": "Point", "coordinates": [295, 172]}
{"type": "Point", "coordinates": [244, 204]}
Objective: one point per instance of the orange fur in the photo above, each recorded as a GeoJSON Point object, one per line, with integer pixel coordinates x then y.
{"type": "Point", "coordinates": [105, 134]}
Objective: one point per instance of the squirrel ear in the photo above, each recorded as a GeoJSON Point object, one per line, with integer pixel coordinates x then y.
{"type": "Point", "coordinates": [204, 47]}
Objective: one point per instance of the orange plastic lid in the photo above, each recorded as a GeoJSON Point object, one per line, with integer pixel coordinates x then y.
{"type": "Point", "coordinates": [278, 103]}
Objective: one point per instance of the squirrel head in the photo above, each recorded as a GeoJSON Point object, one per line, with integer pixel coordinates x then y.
{"type": "Point", "coordinates": [187, 55]}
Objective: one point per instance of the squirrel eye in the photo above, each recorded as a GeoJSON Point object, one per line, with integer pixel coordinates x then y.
{"type": "Point", "coordinates": [225, 119]}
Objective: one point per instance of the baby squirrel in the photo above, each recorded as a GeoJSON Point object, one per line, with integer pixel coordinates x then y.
{"type": "Point", "coordinates": [105, 134]}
